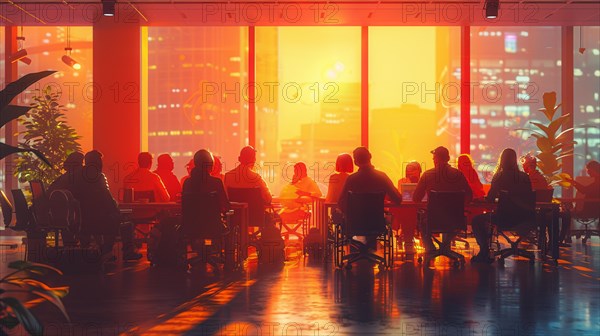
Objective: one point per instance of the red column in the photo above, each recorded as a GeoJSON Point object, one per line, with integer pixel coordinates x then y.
{"type": "Point", "coordinates": [567, 98]}
{"type": "Point", "coordinates": [10, 74]}
{"type": "Point", "coordinates": [364, 89]}
{"type": "Point", "coordinates": [251, 86]}
{"type": "Point", "coordinates": [117, 108]}
{"type": "Point", "coordinates": [465, 92]}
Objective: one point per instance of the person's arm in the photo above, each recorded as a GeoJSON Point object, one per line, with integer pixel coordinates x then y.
{"type": "Point", "coordinates": [420, 190]}
{"type": "Point", "coordinates": [494, 189]}
{"type": "Point", "coordinates": [265, 192]}
{"type": "Point", "coordinates": [343, 196]}
{"type": "Point", "coordinates": [314, 189]}
{"type": "Point", "coordinates": [467, 188]}
{"type": "Point", "coordinates": [225, 205]}
{"type": "Point", "coordinates": [391, 191]}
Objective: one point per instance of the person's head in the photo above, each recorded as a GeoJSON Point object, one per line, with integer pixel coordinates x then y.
{"type": "Point", "coordinates": [300, 171]}
{"type": "Point", "coordinates": [93, 158]}
{"type": "Point", "coordinates": [204, 160]}
{"type": "Point", "coordinates": [362, 157]}
{"type": "Point", "coordinates": [529, 163]}
{"type": "Point", "coordinates": [343, 163]}
{"type": "Point", "coordinates": [145, 160]}
{"type": "Point", "coordinates": [465, 162]}
{"type": "Point", "coordinates": [217, 167]}
{"type": "Point", "coordinates": [247, 155]}
{"type": "Point", "coordinates": [413, 171]}
{"type": "Point", "coordinates": [73, 161]}
{"type": "Point", "coordinates": [165, 162]}
{"type": "Point", "coordinates": [593, 168]}
{"type": "Point", "coordinates": [189, 166]}
{"type": "Point", "coordinates": [507, 161]}
{"type": "Point", "coordinates": [441, 156]}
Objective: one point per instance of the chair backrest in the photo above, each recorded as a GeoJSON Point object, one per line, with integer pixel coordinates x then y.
{"type": "Point", "coordinates": [7, 209]}
{"type": "Point", "coordinates": [256, 205]}
{"type": "Point", "coordinates": [544, 195]}
{"type": "Point", "coordinates": [201, 214]}
{"type": "Point", "coordinates": [37, 189]}
{"type": "Point", "coordinates": [143, 194]}
{"type": "Point", "coordinates": [446, 211]}
{"type": "Point", "coordinates": [22, 211]}
{"type": "Point", "coordinates": [365, 214]}
{"type": "Point", "coordinates": [40, 204]}
{"type": "Point", "coordinates": [64, 209]}
{"type": "Point", "coordinates": [515, 209]}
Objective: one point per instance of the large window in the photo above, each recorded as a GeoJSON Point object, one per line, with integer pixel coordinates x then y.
{"type": "Point", "coordinates": [511, 67]}
{"type": "Point", "coordinates": [309, 109]}
{"type": "Point", "coordinates": [414, 102]}
{"type": "Point", "coordinates": [196, 92]}
{"type": "Point", "coordinates": [586, 107]}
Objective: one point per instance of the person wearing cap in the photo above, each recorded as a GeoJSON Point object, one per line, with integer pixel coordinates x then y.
{"type": "Point", "coordinates": [442, 177]}
{"type": "Point", "coordinates": [243, 176]}
{"type": "Point", "coordinates": [164, 169]}
{"type": "Point", "coordinates": [367, 179]}
{"type": "Point", "coordinates": [142, 179]}
{"type": "Point", "coordinates": [538, 181]}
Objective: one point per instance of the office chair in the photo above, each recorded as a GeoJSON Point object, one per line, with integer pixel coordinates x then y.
{"type": "Point", "coordinates": [515, 213]}
{"type": "Point", "coordinates": [202, 221]}
{"type": "Point", "coordinates": [445, 214]}
{"type": "Point", "coordinates": [364, 216]}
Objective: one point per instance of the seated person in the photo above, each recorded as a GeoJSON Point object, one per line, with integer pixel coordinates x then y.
{"type": "Point", "coordinates": [164, 169]}
{"type": "Point", "coordinates": [465, 165]}
{"type": "Point", "coordinates": [367, 179]}
{"type": "Point", "coordinates": [142, 179]}
{"type": "Point", "coordinates": [244, 176]}
{"type": "Point", "coordinates": [538, 181]}
{"type": "Point", "coordinates": [507, 177]}
{"type": "Point", "coordinates": [343, 168]}
{"type": "Point", "coordinates": [442, 177]}
{"type": "Point", "coordinates": [100, 216]}
{"type": "Point", "coordinates": [406, 219]}
{"type": "Point", "coordinates": [295, 195]}
{"type": "Point", "coordinates": [201, 181]}
{"type": "Point", "coordinates": [590, 191]}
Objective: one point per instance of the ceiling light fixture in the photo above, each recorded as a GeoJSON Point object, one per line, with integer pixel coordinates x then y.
{"type": "Point", "coordinates": [108, 7]}
{"type": "Point", "coordinates": [491, 8]}
{"type": "Point", "coordinates": [67, 59]}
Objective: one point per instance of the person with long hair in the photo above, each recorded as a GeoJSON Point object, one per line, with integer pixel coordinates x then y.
{"type": "Point", "coordinates": [295, 195]}
{"type": "Point", "coordinates": [507, 177]}
{"type": "Point", "coordinates": [465, 165]}
{"type": "Point", "coordinates": [343, 167]}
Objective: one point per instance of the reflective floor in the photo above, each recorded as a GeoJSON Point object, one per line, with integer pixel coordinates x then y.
{"type": "Point", "coordinates": [310, 297]}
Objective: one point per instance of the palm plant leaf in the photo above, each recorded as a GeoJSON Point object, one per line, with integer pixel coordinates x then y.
{"type": "Point", "coordinates": [6, 150]}
{"type": "Point", "coordinates": [12, 112]}
{"type": "Point", "coordinates": [15, 88]}
{"type": "Point", "coordinates": [30, 323]}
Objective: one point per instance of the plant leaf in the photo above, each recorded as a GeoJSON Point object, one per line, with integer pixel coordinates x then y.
{"type": "Point", "coordinates": [54, 299]}
{"type": "Point", "coordinates": [26, 265]}
{"type": "Point", "coordinates": [15, 88]}
{"type": "Point", "coordinates": [30, 323]}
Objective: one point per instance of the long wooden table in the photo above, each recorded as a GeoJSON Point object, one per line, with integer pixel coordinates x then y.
{"type": "Point", "coordinates": [144, 211]}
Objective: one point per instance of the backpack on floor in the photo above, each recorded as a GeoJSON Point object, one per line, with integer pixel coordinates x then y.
{"type": "Point", "coordinates": [271, 247]}
{"type": "Point", "coordinates": [165, 244]}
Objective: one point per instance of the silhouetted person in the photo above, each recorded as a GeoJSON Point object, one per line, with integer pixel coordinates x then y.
{"type": "Point", "coordinates": [406, 219]}
{"type": "Point", "coordinates": [343, 167]}
{"type": "Point", "coordinates": [442, 177]}
{"type": "Point", "coordinates": [100, 216]}
{"type": "Point", "coordinates": [243, 176]}
{"type": "Point", "coordinates": [164, 169]}
{"type": "Point", "coordinates": [71, 178]}
{"type": "Point", "coordinates": [142, 179]}
{"type": "Point", "coordinates": [465, 165]}
{"type": "Point", "coordinates": [366, 180]}
{"type": "Point", "coordinates": [201, 181]}
{"type": "Point", "coordinates": [507, 177]}
{"type": "Point", "coordinates": [294, 196]}
{"type": "Point", "coordinates": [412, 174]}
{"type": "Point", "coordinates": [538, 181]}
{"type": "Point", "coordinates": [591, 191]}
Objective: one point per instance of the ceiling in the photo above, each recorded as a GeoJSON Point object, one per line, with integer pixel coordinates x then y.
{"type": "Point", "coordinates": [302, 12]}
